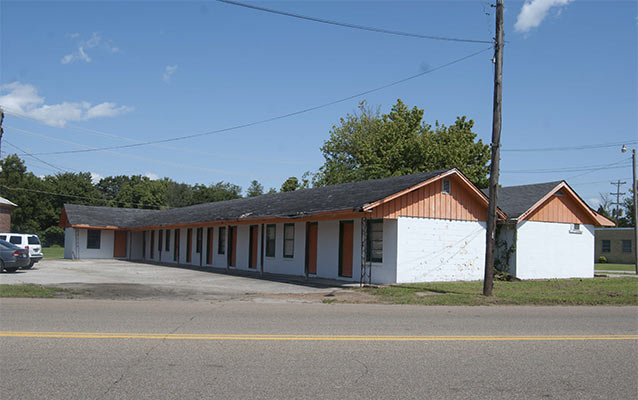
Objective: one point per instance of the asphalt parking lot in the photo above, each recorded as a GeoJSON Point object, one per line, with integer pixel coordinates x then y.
{"type": "Point", "coordinates": [130, 280]}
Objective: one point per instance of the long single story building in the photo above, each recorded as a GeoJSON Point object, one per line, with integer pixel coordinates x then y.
{"type": "Point", "coordinates": [417, 228]}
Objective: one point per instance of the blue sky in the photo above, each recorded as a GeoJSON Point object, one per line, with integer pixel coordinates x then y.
{"type": "Point", "coordinates": [76, 75]}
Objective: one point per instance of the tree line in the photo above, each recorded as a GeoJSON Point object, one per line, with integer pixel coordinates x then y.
{"type": "Point", "coordinates": [365, 144]}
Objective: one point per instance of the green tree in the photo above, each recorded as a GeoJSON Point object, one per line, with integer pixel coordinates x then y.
{"type": "Point", "coordinates": [369, 145]}
{"type": "Point", "coordinates": [290, 185]}
{"type": "Point", "coordinates": [629, 210]}
{"type": "Point", "coordinates": [216, 192]}
{"type": "Point", "coordinates": [255, 189]}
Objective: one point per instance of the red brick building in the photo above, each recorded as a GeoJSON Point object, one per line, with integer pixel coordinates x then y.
{"type": "Point", "coordinates": [5, 214]}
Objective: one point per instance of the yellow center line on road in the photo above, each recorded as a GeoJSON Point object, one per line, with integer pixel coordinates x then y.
{"type": "Point", "coordinates": [293, 337]}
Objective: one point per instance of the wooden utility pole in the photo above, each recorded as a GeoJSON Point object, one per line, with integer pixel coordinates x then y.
{"type": "Point", "coordinates": [1, 130]}
{"type": "Point", "coordinates": [490, 241]}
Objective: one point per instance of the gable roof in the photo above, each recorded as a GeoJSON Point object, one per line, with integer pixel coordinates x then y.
{"type": "Point", "coordinates": [352, 197]}
{"type": "Point", "coordinates": [5, 202]}
{"type": "Point", "coordinates": [516, 200]}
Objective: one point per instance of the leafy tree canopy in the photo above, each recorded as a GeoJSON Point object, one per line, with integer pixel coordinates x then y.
{"type": "Point", "coordinates": [255, 189]}
{"type": "Point", "coordinates": [369, 145]}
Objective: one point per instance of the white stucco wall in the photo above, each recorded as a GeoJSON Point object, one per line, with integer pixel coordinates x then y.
{"type": "Point", "coordinates": [386, 271]}
{"type": "Point", "coordinates": [69, 242]}
{"type": "Point", "coordinates": [106, 244]}
{"type": "Point", "coordinates": [328, 251]}
{"type": "Point", "coordinates": [284, 265]}
{"type": "Point", "coordinates": [546, 250]}
{"type": "Point", "coordinates": [135, 245]}
{"type": "Point", "coordinates": [435, 250]}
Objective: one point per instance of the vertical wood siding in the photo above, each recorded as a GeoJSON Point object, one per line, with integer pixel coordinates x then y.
{"type": "Point", "coordinates": [429, 202]}
{"type": "Point", "coordinates": [564, 209]}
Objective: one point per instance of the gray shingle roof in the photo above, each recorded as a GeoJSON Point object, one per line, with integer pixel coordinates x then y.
{"type": "Point", "coordinates": [347, 196]}
{"type": "Point", "coordinates": [516, 200]}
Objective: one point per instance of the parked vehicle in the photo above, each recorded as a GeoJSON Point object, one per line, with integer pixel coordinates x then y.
{"type": "Point", "coordinates": [12, 257]}
{"type": "Point", "coordinates": [27, 241]}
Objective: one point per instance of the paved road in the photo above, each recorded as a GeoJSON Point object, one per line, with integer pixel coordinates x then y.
{"type": "Point", "coordinates": [170, 350]}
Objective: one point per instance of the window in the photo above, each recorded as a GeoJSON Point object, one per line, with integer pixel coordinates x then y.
{"type": "Point", "coordinates": [189, 243]}
{"type": "Point", "coordinates": [626, 246]}
{"type": "Point", "coordinates": [270, 240]}
{"type": "Point", "coordinates": [160, 240]}
{"type": "Point", "coordinates": [152, 244]}
{"type": "Point", "coordinates": [18, 240]}
{"type": "Point", "coordinates": [289, 240]}
{"type": "Point", "coordinates": [199, 240]}
{"type": "Point", "coordinates": [375, 241]}
{"type": "Point", "coordinates": [93, 239]}
{"type": "Point", "coordinates": [221, 240]}
{"type": "Point", "coordinates": [167, 247]}
{"type": "Point", "coordinates": [3, 237]}
{"type": "Point", "coordinates": [445, 186]}
{"type": "Point", "coordinates": [575, 228]}
{"type": "Point", "coordinates": [33, 240]}
{"type": "Point", "coordinates": [606, 246]}
{"type": "Point", "coordinates": [176, 246]}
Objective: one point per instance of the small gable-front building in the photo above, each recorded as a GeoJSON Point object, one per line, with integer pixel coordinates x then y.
{"type": "Point", "coordinates": [548, 233]}
{"type": "Point", "coordinates": [416, 228]}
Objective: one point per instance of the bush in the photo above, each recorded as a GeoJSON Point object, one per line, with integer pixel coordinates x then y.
{"type": "Point", "coordinates": [53, 235]}
{"type": "Point", "coordinates": [602, 259]}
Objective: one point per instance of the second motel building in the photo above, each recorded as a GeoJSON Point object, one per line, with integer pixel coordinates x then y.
{"type": "Point", "coordinates": [415, 228]}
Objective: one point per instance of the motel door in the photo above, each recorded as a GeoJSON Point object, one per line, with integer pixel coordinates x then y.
{"type": "Point", "coordinates": [232, 246]}
{"type": "Point", "coordinates": [346, 243]}
{"type": "Point", "coordinates": [119, 250]}
{"type": "Point", "coordinates": [311, 248]}
{"type": "Point", "coordinates": [254, 241]}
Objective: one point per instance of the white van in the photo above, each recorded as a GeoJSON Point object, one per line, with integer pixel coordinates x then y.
{"type": "Point", "coordinates": [28, 242]}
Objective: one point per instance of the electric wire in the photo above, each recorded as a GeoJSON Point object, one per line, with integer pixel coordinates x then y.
{"type": "Point", "coordinates": [77, 197]}
{"type": "Point", "coordinates": [566, 148]}
{"type": "Point", "coordinates": [352, 26]}
{"type": "Point", "coordinates": [36, 158]}
{"type": "Point", "coordinates": [271, 119]}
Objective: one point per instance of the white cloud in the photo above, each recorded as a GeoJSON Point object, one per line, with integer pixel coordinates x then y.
{"type": "Point", "coordinates": [534, 12]}
{"type": "Point", "coordinates": [151, 176]}
{"type": "Point", "coordinates": [93, 42]}
{"type": "Point", "coordinates": [168, 72]}
{"type": "Point", "coordinates": [95, 177]}
{"type": "Point", "coordinates": [23, 99]}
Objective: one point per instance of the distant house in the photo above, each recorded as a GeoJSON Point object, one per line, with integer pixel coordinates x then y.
{"type": "Point", "coordinates": [617, 245]}
{"type": "Point", "coordinates": [6, 207]}
{"type": "Point", "coordinates": [423, 227]}
{"type": "Point", "coordinates": [548, 233]}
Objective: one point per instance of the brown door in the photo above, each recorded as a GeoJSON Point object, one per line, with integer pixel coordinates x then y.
{"type": "Point", "coordinates": [346, 242]}
{"type": "Point", "coordinates": [254, 241]}
{"type": "Point", "coordinates": [209, 247]}
{"type": "Point", "coordinates": [311, 248]}
{"type": "Point", "coordinates": [232, 246]}
{"type": "Point", "coordinates": [119, 250]}
{"type": "Point", "coordinates": [152, 244]}
{"type": "Point", "coordinates": [189, 245]}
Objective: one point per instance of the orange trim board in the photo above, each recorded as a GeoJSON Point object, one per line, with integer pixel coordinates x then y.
{"type": "Point", "coordinates": [596, 218]}
{"type": "Point", "coordinates": [480, 195]}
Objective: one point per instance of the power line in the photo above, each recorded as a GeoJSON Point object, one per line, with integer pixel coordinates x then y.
{"type": "Point", "coordinates": [582, 147]}
{"type": "Point", "coordinates": [271, 119]}
{"type": "Point", "coordinates": [36, 158]}
{"type": "Point", "coordinates": [75, 196]}
{"type": "Point", "coordinates": [353, 26]}
{"type": "Point", "coordinates": [569, 169]}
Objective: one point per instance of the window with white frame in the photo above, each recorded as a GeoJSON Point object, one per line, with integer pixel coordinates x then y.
{"type": "Point", "coordinates": [626, 246]}
{"type": "Point", "coordinates": [575, 228]}
{"type": "Point", "coordinates": [289, 240]}
{"type": "Point", "coordinates": [93, 237]}
{"type": "Point", "coordinates": [445, 186]}
{"type": "Point", "coordinates": [375, 241]}
{"type": "Point", "coordinates": [271, 230]}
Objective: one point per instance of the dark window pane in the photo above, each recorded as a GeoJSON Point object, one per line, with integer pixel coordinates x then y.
{"type": "Point", "coordinates": [93, 239]}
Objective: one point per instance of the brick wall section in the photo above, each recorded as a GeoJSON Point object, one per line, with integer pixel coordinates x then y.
{"type": "Point", "coordinates": [616, 236]}
{"type": "Point", "coordinates": [5, 219]}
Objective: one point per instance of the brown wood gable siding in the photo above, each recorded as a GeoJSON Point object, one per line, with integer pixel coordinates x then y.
{"type": "Point", "coordinates": [562, 209]}
{"type": "Point", "coordinates": [429, 202]}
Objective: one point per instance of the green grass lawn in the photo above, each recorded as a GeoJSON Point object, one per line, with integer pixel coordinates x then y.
{"type": "Point", "coordinates": [615, 267]}
{"type": "Point", "coordinates": [35, 291]}
{"type": "Point", "coordinates": [597, 291]}
{"type": "Point", "coordinates": [53, 252]}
